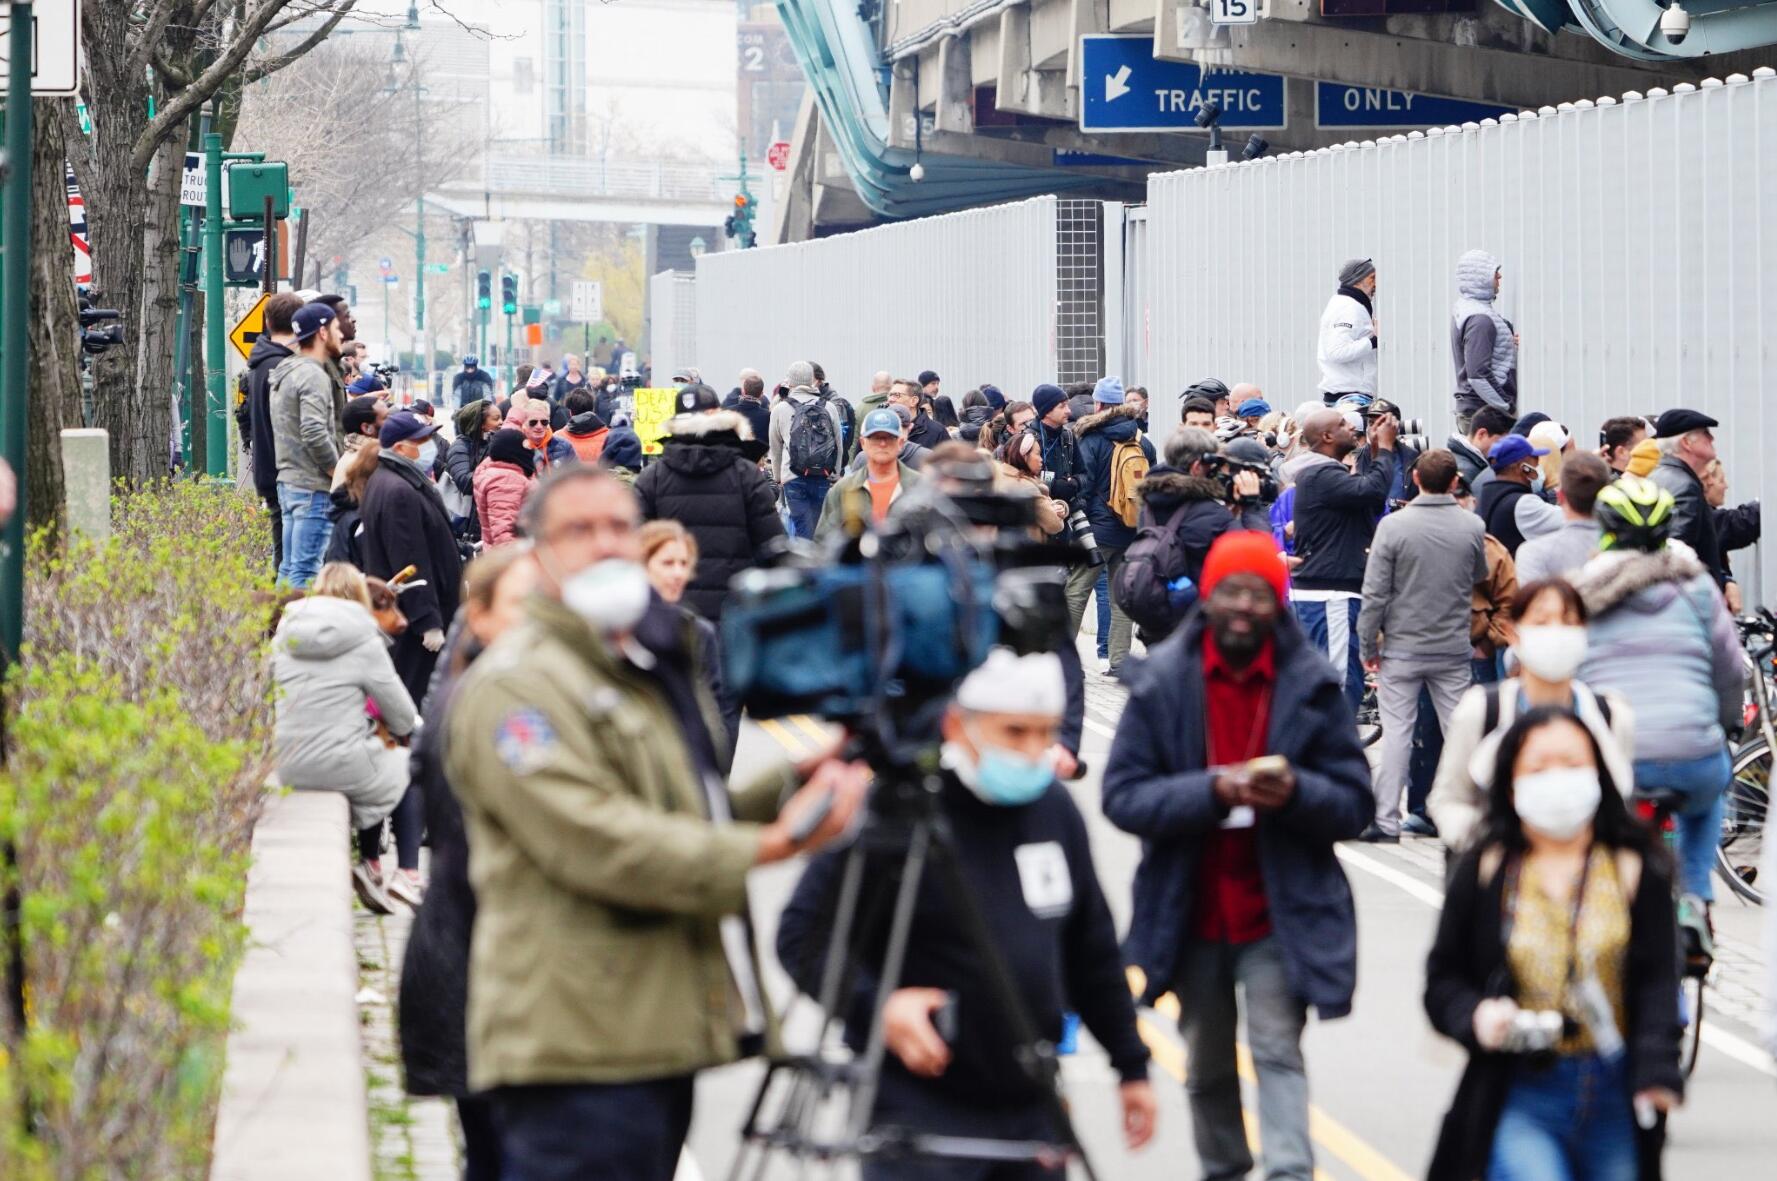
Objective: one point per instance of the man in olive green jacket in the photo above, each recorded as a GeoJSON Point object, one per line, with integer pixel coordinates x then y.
{"type": "Point", "coordinates": [611, 959]}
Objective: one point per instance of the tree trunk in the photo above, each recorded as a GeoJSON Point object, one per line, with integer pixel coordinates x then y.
{"type": "Point", "coordinates": [54, 385]}
{"type": "Point", "coordinates": [155, 393]}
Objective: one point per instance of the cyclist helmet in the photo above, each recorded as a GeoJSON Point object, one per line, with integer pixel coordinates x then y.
{"type": "Point", "coordinates": [1634, 514]}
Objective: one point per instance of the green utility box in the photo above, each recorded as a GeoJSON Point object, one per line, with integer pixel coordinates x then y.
{"type": "Point", "coordinates": [250, 184]}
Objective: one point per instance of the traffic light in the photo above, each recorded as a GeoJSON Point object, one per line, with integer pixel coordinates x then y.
{"type": "Point", "coordinates": [509, 294]}
{"type": "Point", "coordinates": [484, 290]}
{"type": "Point", "coordinates": [739, 225]}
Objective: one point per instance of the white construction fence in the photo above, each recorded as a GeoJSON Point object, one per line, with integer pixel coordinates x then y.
{"type": "Point", "coordinates": [1640, 270]}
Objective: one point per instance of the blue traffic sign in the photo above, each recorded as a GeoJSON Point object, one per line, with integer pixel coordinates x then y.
{"type": "Point", "coordinates": [1124, 88]}
{"type": "Point", "coordinates": [1338, 105]}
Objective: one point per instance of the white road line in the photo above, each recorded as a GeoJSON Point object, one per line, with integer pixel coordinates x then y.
{"type": "Point", "coordinates": [1735, 1047]}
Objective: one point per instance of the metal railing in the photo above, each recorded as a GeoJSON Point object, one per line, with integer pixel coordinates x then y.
{"type": "Point", "coordinates": [566, 176]}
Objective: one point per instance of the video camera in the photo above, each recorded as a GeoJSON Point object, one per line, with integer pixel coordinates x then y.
{"type": "Point", "coordinates": [878, 630]}
{"type": "Point", "coordinates": [1222, 468]}
{"type": "Point", "coordinates": [93, 339]}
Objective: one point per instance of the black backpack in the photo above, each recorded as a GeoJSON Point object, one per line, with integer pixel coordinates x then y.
{"type": "Point", "coordinates": [1148, 586]}
{"type": "Point", "coordinates": [814, 443]}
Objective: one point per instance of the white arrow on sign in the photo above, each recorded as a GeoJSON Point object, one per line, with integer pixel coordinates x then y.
{"type": "Point", "coordinates": [1116, 85]}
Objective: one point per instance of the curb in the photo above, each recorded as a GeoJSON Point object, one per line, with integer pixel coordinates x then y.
{"type": "Point", "coordinates": [293, 1105]}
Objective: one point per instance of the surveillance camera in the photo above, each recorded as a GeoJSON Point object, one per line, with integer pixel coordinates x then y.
{"type": "Point", "coordinates": [917, 173]}
{"type": "Point", "coordinates": [1675, 23]}
{"type": "Point", "coordinates": [1256, 146]}
{"type": "Point", "coordinates": [1207, 115]}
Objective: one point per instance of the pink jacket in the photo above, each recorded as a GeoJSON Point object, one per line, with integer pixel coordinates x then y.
{"type": "Point", "coordinates": [500, 489]}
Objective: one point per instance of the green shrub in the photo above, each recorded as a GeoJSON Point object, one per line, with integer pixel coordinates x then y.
{"type": "Point", "coordinates": [139, 737]}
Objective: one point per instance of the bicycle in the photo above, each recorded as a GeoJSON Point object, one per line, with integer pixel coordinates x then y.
{"type": "Point", "coordinates": [1749, 787]}
{"type": "Point", "coordinates": [1369, 714]}
{"type": "Point", "coordinates": [1659, 809]}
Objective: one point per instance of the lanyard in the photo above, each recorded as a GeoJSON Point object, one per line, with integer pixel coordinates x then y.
{"type": "Point", "coordinates": [1510, 905]}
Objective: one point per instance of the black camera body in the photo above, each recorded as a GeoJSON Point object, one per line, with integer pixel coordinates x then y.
{"type": "Point", "coordinates": [1223, 468]}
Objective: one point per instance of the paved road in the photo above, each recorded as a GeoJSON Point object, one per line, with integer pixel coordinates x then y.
{"type": "Point", "coordinates": [1381, 1079]}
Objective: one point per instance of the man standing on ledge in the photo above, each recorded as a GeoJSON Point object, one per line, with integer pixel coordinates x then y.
{"type": "Point", "coordinates": [1348, 334]}
{"type": "Point", "coordinates": [612, 957]}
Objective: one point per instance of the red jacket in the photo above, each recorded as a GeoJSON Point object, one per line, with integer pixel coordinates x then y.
{"type": "Point", "coordinates": [500, 489]}
{"type": "Point", "coordinates": [588, 447]}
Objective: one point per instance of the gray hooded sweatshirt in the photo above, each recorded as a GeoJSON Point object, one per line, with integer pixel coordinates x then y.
{"type": "Point", "coordinates": [1481, 341]}
{"type": "Point", "coordinates": [329, 660]}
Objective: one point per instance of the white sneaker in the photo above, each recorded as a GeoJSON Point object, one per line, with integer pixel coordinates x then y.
{"type": "Point", "coordinates": [403, 888]}
{"type": "Point", "coordinates": [370, 890]}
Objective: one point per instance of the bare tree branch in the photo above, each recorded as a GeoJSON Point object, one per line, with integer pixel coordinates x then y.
{"type": "Point", "coordinates": [154, 28]}
{"type": "Point", "coordinates": [272, 65]}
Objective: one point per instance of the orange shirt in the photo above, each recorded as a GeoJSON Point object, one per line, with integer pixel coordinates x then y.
{"type": "Point", "coordinates": [882, 494]}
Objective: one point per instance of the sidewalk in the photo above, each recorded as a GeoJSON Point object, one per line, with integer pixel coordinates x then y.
{"type": "Point", "coordinates": [412, 1139]}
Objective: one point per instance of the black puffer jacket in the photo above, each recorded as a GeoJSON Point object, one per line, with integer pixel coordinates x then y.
{"type": "Point", "coordinates": [708, 480]}
{"type": "Point", "coordinates": [260, 362]}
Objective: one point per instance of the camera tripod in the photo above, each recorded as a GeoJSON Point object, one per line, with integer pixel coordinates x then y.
{"type": "Point", "coordinates": [905, 819]}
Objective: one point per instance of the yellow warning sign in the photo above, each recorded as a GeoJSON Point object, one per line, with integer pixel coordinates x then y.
{"type": "Point", "coordinates": [242, 335]}
{"type": "Point", "coordinates": [653, 408]}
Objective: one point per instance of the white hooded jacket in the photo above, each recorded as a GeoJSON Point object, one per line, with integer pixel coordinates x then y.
{"type": "Point", "coordinates": [1347, 350]}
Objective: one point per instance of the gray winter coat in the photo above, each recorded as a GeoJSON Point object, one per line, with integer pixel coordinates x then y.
{"type": "Point", "coordinates": [1661, 637]}
{"type": "Point", "coordinates": [307, 406]}
{"type": "Point", "coordinates": [328, 660]}
{"type": "Point", "coordinates": [1420, 579]}
{"type": "Point", "coordinates": [1481, 340]}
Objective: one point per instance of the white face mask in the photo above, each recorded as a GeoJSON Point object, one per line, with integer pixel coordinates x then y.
{"type": "Point", "coordinates": [1557, 803]}
{"type": "Point", "coordinates": [428, 455]}
{"type": "Point", "coordinates": [611, 596]}
{"type": "Point", "coordinates": [1552, 652]}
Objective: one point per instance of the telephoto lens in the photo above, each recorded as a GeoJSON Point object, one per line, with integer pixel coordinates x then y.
{"type": "Point", "coordinates": [1081, 530]}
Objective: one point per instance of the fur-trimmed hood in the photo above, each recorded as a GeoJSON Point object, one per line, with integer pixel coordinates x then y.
{"type": "Point", "coordinates": [1166, 484]}
{"type": "Point", "coordinates": [1611, 577]}
{"type": "Point", "coordinates": [694, 427]}
{"type": "Point", "coordinates": [1105, 418]}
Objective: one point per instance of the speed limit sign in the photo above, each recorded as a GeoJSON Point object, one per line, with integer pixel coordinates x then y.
{"type": "Point", "coordinates": [1234, 12]}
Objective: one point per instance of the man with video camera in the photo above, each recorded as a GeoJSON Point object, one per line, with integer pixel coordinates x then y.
{"type": "Point", "coordinates": [1236, 762]}
{"type": "Point", "coordinates": [1022, 849]}
{"type": "Point", "coordinates": [612, 959]}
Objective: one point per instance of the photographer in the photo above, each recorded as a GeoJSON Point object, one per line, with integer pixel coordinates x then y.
{"type": "Point", "coordinates": [1021, 845]}
{"type": "Point", "coordinates": [1111, 459]}
{"type": "Point", "coordinates": [1335, 518]}
{"type": "Point", "coordinates": [1184, 510]}
{"type": "Point", "coordinates": [1581, 1044]}
{"type": "Point", "coordinates": [611, 957]}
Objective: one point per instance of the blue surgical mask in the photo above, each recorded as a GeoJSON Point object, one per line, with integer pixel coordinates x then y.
{"type": "Point", "coordinates": [428, 455]}
{"type": "Point", "coordinates": [1536, 479]}
{"type": "Point", "coordinates": [999, 776]}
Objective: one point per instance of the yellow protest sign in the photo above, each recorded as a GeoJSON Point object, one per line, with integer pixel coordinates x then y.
{"type": "Point", "coordinates": [653, 408]}
{"type": "Point", "coordinates": [243, 334]}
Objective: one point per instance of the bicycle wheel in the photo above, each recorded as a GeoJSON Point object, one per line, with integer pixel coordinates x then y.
{"type": "Point", "coordinates": [1369, 717]}
{"type": "Point", "coordinates": [1690, 1006]}
{"type": "Point", "coordinates": [1743, 821]}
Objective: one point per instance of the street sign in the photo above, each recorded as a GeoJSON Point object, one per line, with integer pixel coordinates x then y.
{"type": "Point", "coordinates": [55, 47]}
{"type": "Point", "coordinates": [192, 185]}
{"type": "Point", "coordinates": [250, 184]}
{"type": "Point", "coordinates": [531, 313]}
{"type": "Point", "coordinates": [385, 264]}
{"type": "Point", "coordinates": [437, 268]}
{"type": "Point", "coordinates": [552, 307]}
{"type": "Point", "coordinates": [243, 256]}
{"type": "Point", "coordinates": [589, 301]}
{"type": "Point", "coordinates": [391, 280]}
{"type": "Point", "coordinates": [1338, 105]}
{"type": "Point", "coordinates": [1124, 88]}
{"type": "Point", "coordinates": [1233, 12]}
{"type": "Point", "coordinates": [778, 154]}
{"type": "Point", "coordinates": [243, 334]}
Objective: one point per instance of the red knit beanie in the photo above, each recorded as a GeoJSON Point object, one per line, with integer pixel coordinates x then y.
{"type": "Point", "coordinates": [1244, 552]}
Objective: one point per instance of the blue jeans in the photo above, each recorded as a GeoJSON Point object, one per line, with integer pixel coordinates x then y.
{"type": "Point", "coordinates": [1570, 1122]}
{"type": "Point", "coordinates": [308, 524]}
{"type": "Point", "coordinates": [569, 1132]}
{"type": "Point", "coordinates": [1703, 781]}
{"type": "Point", "coordinates": [804, 496]}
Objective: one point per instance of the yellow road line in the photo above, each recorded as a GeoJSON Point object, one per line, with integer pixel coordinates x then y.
{"type": "Point", "coordinates": [822, 737]}
{"type": "Point", "coordinates": [1323, 1129]}
{"type": "Point", "coordinates": [794, 745]}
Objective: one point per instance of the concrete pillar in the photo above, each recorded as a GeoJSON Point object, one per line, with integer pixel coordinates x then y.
{"type": "Point", "coordinates": [956, 89]}
{"type": "Point", "coordinates": [86, 467]}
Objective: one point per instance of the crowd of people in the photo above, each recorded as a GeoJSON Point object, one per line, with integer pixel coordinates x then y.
{"type": "Point", "coordinates": [513, 649]}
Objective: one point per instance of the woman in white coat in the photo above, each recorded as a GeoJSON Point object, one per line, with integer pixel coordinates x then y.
{"type": "Point", "coordinates": [331, 665]}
